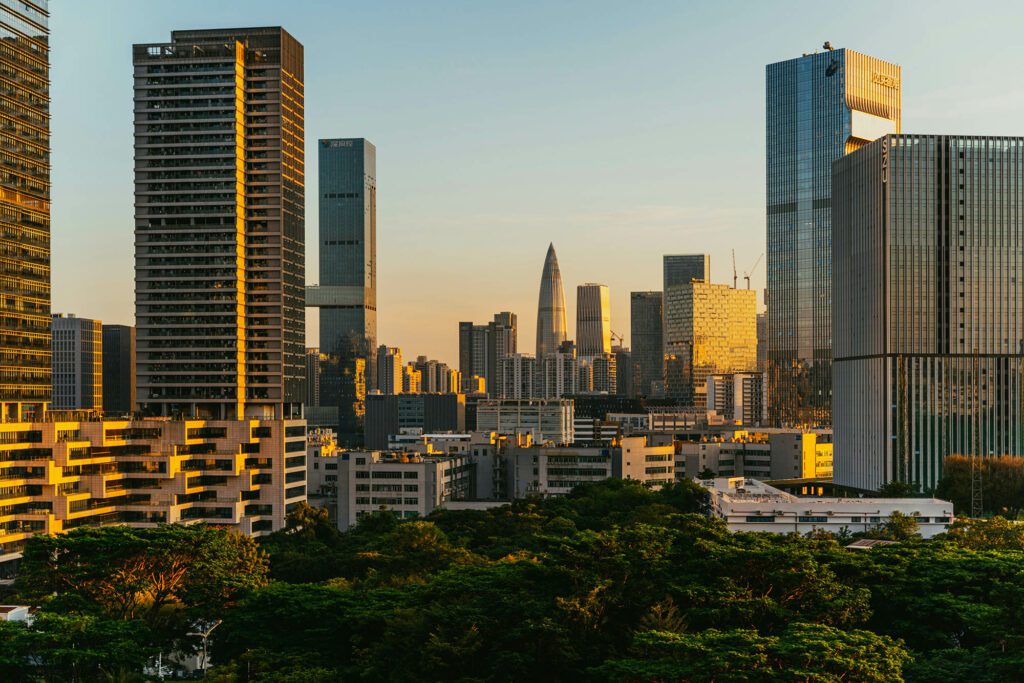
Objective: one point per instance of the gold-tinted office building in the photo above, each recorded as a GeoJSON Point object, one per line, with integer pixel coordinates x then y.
{"type": "Point", "coordinates": [819, 107]}
{"type": "Point", "coordinates": [24, 209]}
{"type": "Point", "coordinates": [709, 330]}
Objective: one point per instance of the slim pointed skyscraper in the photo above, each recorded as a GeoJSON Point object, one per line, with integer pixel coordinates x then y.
{"type": "Point", "coordinates": [551, 326]}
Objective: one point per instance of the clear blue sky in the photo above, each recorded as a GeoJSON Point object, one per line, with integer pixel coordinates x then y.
{"type": "Point", "coordinates": [619, 131]}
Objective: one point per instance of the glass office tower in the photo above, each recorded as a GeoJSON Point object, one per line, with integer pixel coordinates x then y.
{"type": "Point", "coordinates": [24, 209]}
{"type": "Point", "coordinates": [645, 336]}
{"type": "Point", "coordinates": [220, 224]}
{"type": "Point", "coordinates": [929, 306]}
{"type": "Point", "coordinates": [819, 107]}
{"type": "Point", "coordinates": [708, 330]}
{"type": "Point", "coordinates": [682, 269]}
{"type": "Point", "coordinates": [348, 242]}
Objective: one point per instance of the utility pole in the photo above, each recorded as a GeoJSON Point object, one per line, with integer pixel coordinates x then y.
{"type": "Point", "coordinates": [977, 501]}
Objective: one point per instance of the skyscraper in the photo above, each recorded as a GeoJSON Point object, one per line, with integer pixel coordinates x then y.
{"type": "Point", "coordinates": [682, 269]}
{"type": "Point", "coordinates": [645, 332]}
{"type": "Point", "coordinates": [929, 305]}
{"type": "Point", "coordinates": [709, 329]}
{"type": "Point", "coordinates": [593, 320]}
{"type": "Point", "coordinates": [118, 369]}
{"type": "Point", "coordinates": [314, 366]}
{"type": "Point", "coordinates": [25, 384]}
{"type": "Point", "coordinates": [348, 242]}
{"type": "Point", "coordinates": [77, 363]}
{"type": "Point", "coordinates": [481, 348]}
{"type": "Point", "coordinates": [389, 369]}
{"type": "Point", "coordinates": [819, 107]}
{"type": "Point", "coordinates": [502, 341]}
{"type": "Point", "coordinates": [219, 224]}
{"type": "Point", "coordinates": [551, 325]}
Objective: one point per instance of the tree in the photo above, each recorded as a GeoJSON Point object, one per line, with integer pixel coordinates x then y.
{"type": "Point", "coordinates": [896, 527]}
{"type": "Point", "coordinates": [899, 489]}
{"type": "Point", "coordinates": [126, 573]}
{"type": "Point", "coordinates": [803, 652]}
{"type": "Point", "coordinates": [997, 533]}
{"type": "Point", "coordinates": [67, 647]}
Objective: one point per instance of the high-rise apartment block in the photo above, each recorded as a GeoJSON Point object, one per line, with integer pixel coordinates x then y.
{"type": "Point", "coordinates": [77, 345]}
{"type": "Point", "coordinates": [25, 383]}
{"type": "Point", "coordinates": [709, 329]}
{"type": "Point", "coordinates": [625, 372]}
{"type": "Point", "coordinates": [219, 224]}
{"type": "Point", "coordinates": [682, 269]}
{"type": "Point", "coordinates": [518, 376]}
{"type": "Point", "coordinates": [347, 294]}
{"type": "Point", "coordinates": [481, 348]}
{"type": "Point", "coordinates": [593, 320]}
{"type": "Point", "coordinates": [552, 329]}
{"type": "Point", "coordinates": [559, 373]}
{"type": "Point", "coordinates": [645, 330]}
{"type": "Point", "coordinates": [389, 369]}
{"type": "Point", "coordinates": [929, 305]}
{"type": "Point", "coordinates": [737, 397]}
{"type": "Point", "coordinates": [819, 107]}
{"type": "Point", "coordinates": [412, 379]}
{"type": "Point", "coordinates": [118, 369]}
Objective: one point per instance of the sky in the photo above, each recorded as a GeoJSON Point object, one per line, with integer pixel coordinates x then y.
{"type": "Point", "coordinates": [618, 131]}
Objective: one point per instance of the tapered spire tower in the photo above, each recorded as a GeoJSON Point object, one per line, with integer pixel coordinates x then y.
{"type": "Point", "coordinates": [551, 326]}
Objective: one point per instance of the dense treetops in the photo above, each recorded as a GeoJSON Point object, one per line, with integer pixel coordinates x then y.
{"type": "Point", "coordinates": [611, 583]}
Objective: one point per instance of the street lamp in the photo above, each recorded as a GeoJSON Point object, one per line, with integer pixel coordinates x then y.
{"type": "Point", "coordinates": [203, 630]}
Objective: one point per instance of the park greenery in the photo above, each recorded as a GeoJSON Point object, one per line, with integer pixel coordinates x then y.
{"type": "Point", "coordinates": [614, 582]}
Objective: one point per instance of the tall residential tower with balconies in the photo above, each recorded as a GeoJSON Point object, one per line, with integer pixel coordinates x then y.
{"type": "Point", "coordinates": [24, 210]}
{"type": "Point", "coordinates": [219, 224]}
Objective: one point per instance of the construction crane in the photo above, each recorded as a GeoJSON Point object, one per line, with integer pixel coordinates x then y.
{"type": "Point", "coordinates": [746, 276]}
{"type": "Point", "coordinates": [615, 335]}
{"type": "Point", "coordinates": [734, 278]}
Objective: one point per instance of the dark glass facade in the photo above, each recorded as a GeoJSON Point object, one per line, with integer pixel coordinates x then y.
{"type": "Point", "coordinates": [929, 316]}
{"type": "Point", "coordinates": [118, 369]}
{"type": "Point", "coordinates": [220, 223]}
{"type": "Point", "coordinates": [25, 355]}
{"type": "Point", "coordinates": [682, 269]}
{"type": "Point", "coordinates": [819, 107]}
{"type": "Point", "coordinates": [645, 333]}
{"type": "Point", "coordinates": [348, 242]}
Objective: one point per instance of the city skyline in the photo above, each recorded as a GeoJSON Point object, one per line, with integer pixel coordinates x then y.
{"type": "Point", "coordinates": [681, 192]}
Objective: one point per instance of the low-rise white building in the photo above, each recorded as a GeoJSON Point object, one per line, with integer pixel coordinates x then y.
{"type": "Point", "coordinates": [409, 484]}
{"type": "Point", "coordinates": [546, 419]}
{"type": "Point", "coordinates": [751, 505]}
{"type": "Point", "coordinates": [556, 470]}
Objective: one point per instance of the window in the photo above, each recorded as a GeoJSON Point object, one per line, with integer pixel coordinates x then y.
{"type": "Point", "coordinates": [760, 518]}
{"type": "Point", "coordinates": [812, 519]}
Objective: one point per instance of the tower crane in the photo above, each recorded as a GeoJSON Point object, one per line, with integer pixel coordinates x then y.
{"type": "Point", "coordinates": [746, 276]}
{"type": "Point", "coordinates": [734, 278]}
